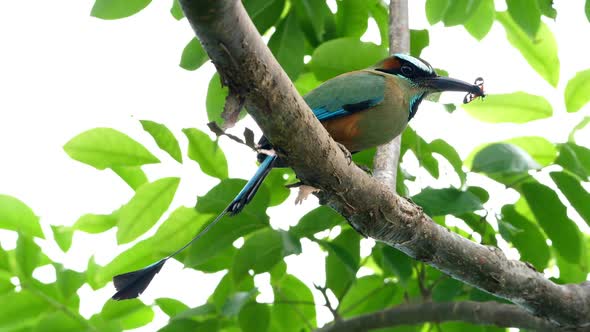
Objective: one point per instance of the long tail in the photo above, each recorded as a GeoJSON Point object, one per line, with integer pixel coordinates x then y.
{"type": "Point", "coordinates": [131, 284]}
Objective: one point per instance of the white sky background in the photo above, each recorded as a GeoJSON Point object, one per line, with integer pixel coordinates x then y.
{"type": "Point", "coordinates": [63, 72]}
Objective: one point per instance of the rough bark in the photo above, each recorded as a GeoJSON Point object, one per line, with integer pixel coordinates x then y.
{"type": "Point", "coordinates": [247, 66]}
{"type": "Point", "coordinates": [386, 159]}
{"type": "Point", "coordinates": [479, 313]}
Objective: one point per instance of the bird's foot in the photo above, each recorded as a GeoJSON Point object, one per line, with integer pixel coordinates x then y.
{"type": "Point", "coordinates": [409, 200]}
{"type": "Point", "coordinates": [366, 169]}
{"type": "Point", "coordinates": [267, 152]}
{"type": "Point", "coordinates": [304, 192]}
{"type": "Point", "coordinates": [347, 153]}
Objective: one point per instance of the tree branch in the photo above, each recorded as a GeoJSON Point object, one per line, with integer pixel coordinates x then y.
{"type": "Point", "coordinates": [386, 159]}
{"type": "Point", "coordinates": [479, 313]}
{"type": "Point", "coordinates": [249, 69]}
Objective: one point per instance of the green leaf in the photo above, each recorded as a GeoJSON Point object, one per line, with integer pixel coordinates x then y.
{"type": "Point", "coordinates": [287, 45]}
{"type": "Point", "coordinates": [526, 14]}
{"type": "Point", "coordinates": [577, 91]}
{"type": "Point", "coordinates": [570, 272]}
{"type": "Point", "coordinates": [379, 11]}
{"type": "Point", "coordinates": [164, 138]}
{"type": "Point", "coordinates": [236, 302]}
{"type": "Point", "coordinates": [517, 107]}
{"type": "Point", "coordinates": [216, 94]}
{"type": "Point", "coordinates": [221, 260]}
{"type": "Point", "coordinates": [411, 140]}
{"type": "Point", "coordinates": [63, 236]}
{"type": "Point", "coordinates": [182, 325]}
{"type": "Point", "coordinates": [306, 82]}
{"type": "Point", "coordinates": [252, 218]}
{"type": "Point", "coordinates": [131, 314]}
{"type": "Point", "coordinates": [528, 239]}
{"type": "Point", "coordinates": [552, 216]}
{"type": "Point", "coordinates": [292, 316]}
{"type": "Point", "coordinates": [199, 313]}
{"type": "Point", "coordinates": [342, 261]}
{"type": "Point", "coordinates": [581, 125]}
{"type": "Point", "coordinates": [440, 202]}
{"type": "Point", "coordinates": [327, 60]}
{"type": "Point", "coordinates": [352, 18]}
{"type": "Point", "coordinates": [393, 262]}
{"type": "Point", "coordinates": [21, 308]}
{"type": "Point", "coordinates": [145, 208]}
{"type": "Point", "coordinates": [176, 231]}
{"type": "Point", "coordinates": [459, 11]}
{"type": "Point", "coordinates": [206, 153]}
{"type": "Point", "coordinates": [503, 158]}
{"type": "Point", "coordinates": [60, 321]}
{"type": "Point", "coordinates": [310, 14]}
{"type": "Point", "coordinates": [134, 176]}
{"type": "Point", "coordinates": [587, 9]}
{"type": "Point", "coordinates": [226, 287]}
{"type": "Point", "coordinates": [193, 56]}
{"type": "Point", "coordinates": [106, 147]}
{"type": "Point", "coordinates": [95, 223]}
{"type": "Point", "coordinates": [539, 148]}
{"type": "Point", "coordinates": [261, 251]}
{"type": "Point", "coordinates": [540, 53]}
{"type": "Point", "coordinates": [574, 192]}
{"type": "Point", "coordinates": [27, 256]}
{"type": "Point", "coordinates": [264, 13]}
{"type": "Point", "coordinates": [276, 183]}
{"type": "Point", "coordinates": [447, 290]}
{"type": "Point", "coordinates": [17, 216]}
{"type": "Point", "coordinates": [68, 281]}
{"type": "Point", "coordinates": [449, 153]}
{"type": "Point", "coordinates": [367, 294]}
{"type": "Point", "coordinates": [546, 8]}
{"type": "Point", "coordinates": [115, 9]}
{"type": "Point", "coordinates": [315, 221]}
{"type": "Point", "coordinates": [435, 10]}
{"type": "Point", "coordinates": [171, 307]}
{"type": "Point", "coordinates": [254, 317]}
{"type": "Point", "coordinates": [575, 159]}
{"type": "Point", "coordinates": [481, 21]}
{"type": "Point", "coordinates": [419, 39]}
{"type": "Point", "coordinates": [480, 225]}
{"type": "Point", "coordinates": [176, 10]}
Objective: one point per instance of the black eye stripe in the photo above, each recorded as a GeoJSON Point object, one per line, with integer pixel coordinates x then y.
{"type": "Point", "coordinates": [410, 69]}
{"type": "Point", "coordinates": [407, 70]}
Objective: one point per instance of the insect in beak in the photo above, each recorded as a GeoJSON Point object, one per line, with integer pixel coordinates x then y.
{"type": "Point", "coordinates": [469, 97]}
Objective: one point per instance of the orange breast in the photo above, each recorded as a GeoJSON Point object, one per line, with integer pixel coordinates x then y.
{"type": "Point", "coordinates": [345, 130]}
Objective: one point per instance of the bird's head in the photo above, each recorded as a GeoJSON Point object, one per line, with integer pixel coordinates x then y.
{"type": "Point", "coordinates": [421, 79]}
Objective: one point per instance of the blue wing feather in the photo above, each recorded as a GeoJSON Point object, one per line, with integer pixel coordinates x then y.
{"type": "Point", "coordinates": [346, 94]}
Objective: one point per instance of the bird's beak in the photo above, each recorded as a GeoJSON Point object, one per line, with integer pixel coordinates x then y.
{"type": "Point", "coordinates": [441, 83]}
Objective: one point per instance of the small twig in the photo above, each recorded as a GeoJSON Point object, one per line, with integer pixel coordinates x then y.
{"type": "Point", "coordinates": [328, 304]}
{"type": "Point", "coordinates": [420, 272]}
{"type": "Point", "coordinates": [214, 127]}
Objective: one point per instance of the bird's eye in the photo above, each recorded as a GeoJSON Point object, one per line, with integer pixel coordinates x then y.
{"type": "Point", "coordinates": [407, 71]}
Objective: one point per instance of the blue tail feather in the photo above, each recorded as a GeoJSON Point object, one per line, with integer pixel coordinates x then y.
{"type": "Point", "coordinates": [250, 189]}
{"type": "Point", "coordinates": [129, 285]}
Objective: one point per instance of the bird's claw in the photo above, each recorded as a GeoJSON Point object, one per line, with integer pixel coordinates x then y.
{"type": "Point", "coordinates": [270, 152]}
{"type": "Point", "coordinates": [365, 168]}
{"type": "Point", "coordinates": [304, 192]}
{"type": "Point", "coordinates": [347, 153]}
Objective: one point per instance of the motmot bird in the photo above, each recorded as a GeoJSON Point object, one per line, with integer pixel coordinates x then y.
{"type": "Point", "coordinates": [360, 110]}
